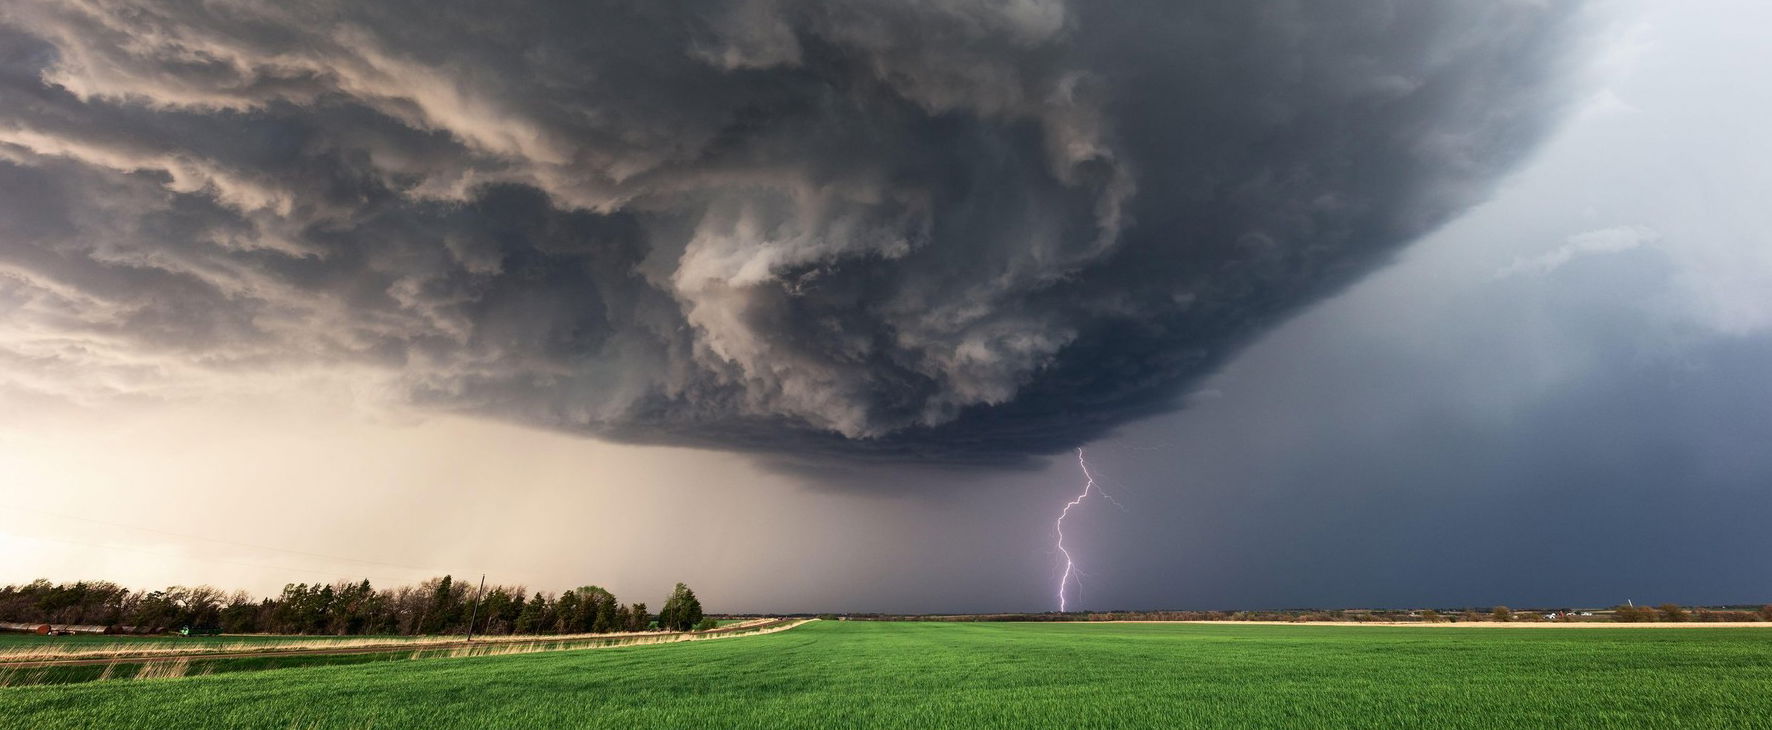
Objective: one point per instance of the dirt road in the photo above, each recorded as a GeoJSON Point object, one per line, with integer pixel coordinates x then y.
{"type": "Point", "coordinates": [490, 646]}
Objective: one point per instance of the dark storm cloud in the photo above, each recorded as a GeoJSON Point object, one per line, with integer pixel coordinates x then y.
{"type": "Point", "coordinates": [955, 231]}
{"type": "Point", "coordinates": [1541, 440]}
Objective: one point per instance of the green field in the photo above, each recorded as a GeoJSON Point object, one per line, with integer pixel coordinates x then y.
{"type": "Point", "coordinates": [854, 674]}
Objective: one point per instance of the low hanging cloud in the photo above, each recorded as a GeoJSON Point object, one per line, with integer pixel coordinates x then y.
{"type": "Point", "coordinates": [1591, 243]}
{"type": "Point", "coordinates": [958, 231]}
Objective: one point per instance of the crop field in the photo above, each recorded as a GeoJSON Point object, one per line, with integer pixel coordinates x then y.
{"type": "Point", "coordinates": [861, 674]}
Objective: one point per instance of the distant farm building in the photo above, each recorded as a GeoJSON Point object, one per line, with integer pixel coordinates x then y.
{"type": "Point", "coordinates": [30, 628]}
{"type": "Point", "coordinates": [53, 629]}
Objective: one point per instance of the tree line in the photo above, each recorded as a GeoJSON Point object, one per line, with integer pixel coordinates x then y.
{"type": "Point", "coordinates": [1672, 613]}
{"type": "Point", "coordinates": [1622, 614]}
{"type": "Point", "coordinates": [435, 606]}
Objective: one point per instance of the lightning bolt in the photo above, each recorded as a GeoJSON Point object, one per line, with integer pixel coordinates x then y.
{"type": "Point", "coordinates": [1070, 565]}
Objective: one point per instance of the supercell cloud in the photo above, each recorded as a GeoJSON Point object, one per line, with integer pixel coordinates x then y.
{"type": "Point", "coordinates": [954, 231]}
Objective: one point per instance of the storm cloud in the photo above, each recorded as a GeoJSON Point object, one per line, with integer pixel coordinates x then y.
{"type": "Point", "coordinates": [952, 231]}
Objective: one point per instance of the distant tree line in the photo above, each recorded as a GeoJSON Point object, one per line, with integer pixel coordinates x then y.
{"type": "Point", "coordinates": [1671, 613]}
{"type": "Point", "coordinates": [435, 606]}
{"type": "Point", "coordinates": [1626, 614]}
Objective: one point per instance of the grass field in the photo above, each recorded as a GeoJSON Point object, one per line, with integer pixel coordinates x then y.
{"type": "Point", "coordinates": [854, 674]}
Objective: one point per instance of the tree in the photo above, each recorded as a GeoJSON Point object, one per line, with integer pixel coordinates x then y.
{"type": "Point", "coordinates": [493, 607]}
{"type": "Point", "coordinates": [1501, 613]}
{"type": "Point", "coordinates": [443, 610]}
{"type": "Point", "coordinates": [352, 607]}
{"type": "Point", "coordinates": [535, 615]}
{"type": "Point", "coordinates": [598, 609]}
{"type": "Point", "coordinates": [1672, 612]}
{"type": "Point", "coordinates": [409, 603]}
{"type": "Point", "coordinates": [681, 611]}
{"type": "Point", "coordinates": [507, 619]}
{"type": "Point", "coordinates": [240, 616]}
{"type": "Point", "coordinates": [567, 618]}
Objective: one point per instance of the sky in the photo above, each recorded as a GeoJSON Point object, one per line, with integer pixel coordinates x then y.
{"type": "Point", "coordinates": [1347, 303]}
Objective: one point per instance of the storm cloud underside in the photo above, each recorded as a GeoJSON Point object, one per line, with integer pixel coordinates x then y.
{"type": "Point", "coordinates": [958, 231]}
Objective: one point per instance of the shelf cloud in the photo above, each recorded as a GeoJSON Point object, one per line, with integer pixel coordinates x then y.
{"type": "Point", "coordinates": [963, 231]}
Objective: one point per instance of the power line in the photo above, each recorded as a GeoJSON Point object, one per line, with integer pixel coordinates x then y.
{"type": "Point", "coordinates": [322, 556]}
{"type": "Point", "coordinates": [172, 533]}
{"type": "Point", "coordinates": [192, 557]}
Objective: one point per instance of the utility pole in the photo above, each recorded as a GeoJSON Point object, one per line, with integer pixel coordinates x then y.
{"type": "Point", "coordinates": [475, 615]}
